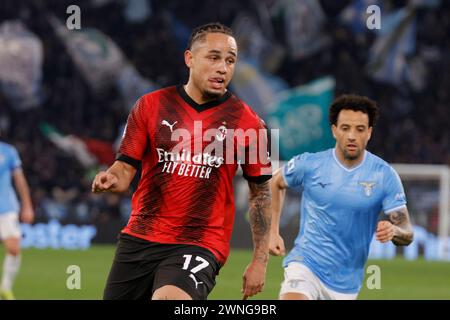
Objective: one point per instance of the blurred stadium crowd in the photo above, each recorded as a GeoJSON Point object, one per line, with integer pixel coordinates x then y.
{"type": "Point", "coordinates": [150, 37]}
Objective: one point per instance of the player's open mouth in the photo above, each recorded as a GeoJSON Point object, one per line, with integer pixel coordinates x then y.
{"type": "Point", "coordinates": [352, 147]}
{"type": "Point", "coordinates": [217, 83]}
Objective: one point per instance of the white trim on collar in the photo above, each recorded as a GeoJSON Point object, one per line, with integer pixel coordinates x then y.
{"type": "Point", "coordinates": [344, 167]}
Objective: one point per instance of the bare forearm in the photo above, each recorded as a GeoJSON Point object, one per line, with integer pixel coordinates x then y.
{"type": "Point", "coordinates": [402, 236]}
{"type": "Point", "coordinates": [124, 173]}
{"type": "Point", "coordinates": [403, 233]}
{"type": "Point", "coordinates": [22, 189]}
{"type": "Point", "coordinates": [278, 196]}
{"type": "Point", "coordinates": [260, 219]}
{"type": "Point", "coordinates": [278, 188]}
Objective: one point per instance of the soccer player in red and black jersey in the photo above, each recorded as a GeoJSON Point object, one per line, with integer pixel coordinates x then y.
{"type": "Point", "coordinates": [186, 140]}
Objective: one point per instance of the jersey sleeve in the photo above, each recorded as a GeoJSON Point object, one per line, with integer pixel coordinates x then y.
{"type": "Point", "coordinates": [294, 171]}
{"type": "Point", "coordinates": [14, 159]}
{"type": "Point", "coordinates": [394, 194]}
{"type": "Point", "coordinates": [257, 166]}
{"type": "Point", "coordinates": [135, 138]}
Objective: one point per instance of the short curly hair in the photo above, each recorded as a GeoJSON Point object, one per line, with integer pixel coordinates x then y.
{"type": "Point", "coordinates": [356, 103]}
{"type": "Point", "coordinates": [200, 32]}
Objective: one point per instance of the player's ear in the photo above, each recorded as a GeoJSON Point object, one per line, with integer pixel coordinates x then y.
{"type": "Point", "coordinates": [370, 134]}
{"type": "Point", "coordinates": [188, 58]}
{"type": "Point", "coordinates": [333, 130]}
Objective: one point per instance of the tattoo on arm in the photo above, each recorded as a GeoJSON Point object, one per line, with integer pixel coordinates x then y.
{"type": "Point", "coordinates": [260, 218]}
{"type": "Point", "coordinates": [403, 235]}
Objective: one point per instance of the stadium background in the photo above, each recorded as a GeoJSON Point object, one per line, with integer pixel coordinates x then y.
{"type": "Point", "coordinates": [65, 95]}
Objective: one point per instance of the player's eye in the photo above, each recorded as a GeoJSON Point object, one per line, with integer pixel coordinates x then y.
{"type": "Point", "coordinates": [230, 61]}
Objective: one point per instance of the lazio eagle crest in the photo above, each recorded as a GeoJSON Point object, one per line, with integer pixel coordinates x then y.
{"type": "Point", "coordinates": [367, 187]}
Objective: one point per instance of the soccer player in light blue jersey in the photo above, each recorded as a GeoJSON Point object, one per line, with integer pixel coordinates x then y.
{"type": "Point", "coordinates": [10, 234]}
{"type": "Point", "coordinates": [344, 189]}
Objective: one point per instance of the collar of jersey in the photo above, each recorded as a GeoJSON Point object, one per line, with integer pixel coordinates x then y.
{"type": "Point", "coordinates": [203, 106]}
{"type": "Point", "coordinates": [344, 167]}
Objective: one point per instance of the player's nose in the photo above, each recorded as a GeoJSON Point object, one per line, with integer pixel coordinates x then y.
{"type": "Point", "coordinates": [351, 135]}
{"type": "Point", "coordinates": [222, 67]}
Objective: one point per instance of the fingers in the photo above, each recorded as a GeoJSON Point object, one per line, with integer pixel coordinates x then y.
{"type": "Point", "coordinates": [277, 247]}
{"type": "Point", "coordinates": [385, 237]}
{"type": "Point", "coordinates": [385, 231]}
{"type": "Point", "coordinates": [103, 181]}
{"type": "Point", "coordinates": [27, 219]}
{"type": "Point", "coordinates": [385, 234]}
{"type": "Point", "coordinates": [383, 225]}
{"type": "Point", "coordinates": [250, 290]}
{"type": "Point", "coordinates": [244, 288]}
{"type": "Point", "coordinates": [27, 215]}
{"type": "Point", "coordinates": [277, 250]}
{"type": "Point", "coordinates": [282, 249]}
{"type": "Point", "coordinates": [274, 248]}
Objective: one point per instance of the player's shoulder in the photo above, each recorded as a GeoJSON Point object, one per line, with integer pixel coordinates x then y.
{"type": "Point", "coordinates": [162, 91]}
{"type": "Point", "coordinates": [8, 151]}
{"type": "Point", "coordinates": [148, 100]}
{"type": "Point", "coordinates": [7, 148]}
{"type": "Point", "coordinates": [313, 159]}
{"type": "Point", "coordinates": [158, 93]}
{"type": "Point", "coordinates": [379, 163]}
{"type": "Point", "coordinates": [316, 157]}
{"type": "Point", "coordinates": [321, 155]}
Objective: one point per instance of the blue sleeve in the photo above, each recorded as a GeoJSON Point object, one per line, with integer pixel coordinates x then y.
{"type": "Point", "coordinates": [14, 159]}
{"type": "Point", "coordinates": [294, 170]}
{"type": "Point", "coordinates": [394, 194]}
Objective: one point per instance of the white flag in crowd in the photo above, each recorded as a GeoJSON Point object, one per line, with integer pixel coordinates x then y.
{"type": "Point", "coordinates": [303, 22]}
{"type": "Point", "coordinates": [21, 56]}
{"type": "Point", "coordinates": [396, 41]}
{"type": "Point", "coordinates": [97, 57]}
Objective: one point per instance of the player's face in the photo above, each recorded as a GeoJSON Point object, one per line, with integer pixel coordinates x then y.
{"type": "Point", "coordinates": [352, 133]}
{"type": "Point", "coordinates": [212, 63]}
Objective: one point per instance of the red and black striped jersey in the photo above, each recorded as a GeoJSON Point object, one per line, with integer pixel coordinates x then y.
{"type": "Point", "coordinates": [189, 154]}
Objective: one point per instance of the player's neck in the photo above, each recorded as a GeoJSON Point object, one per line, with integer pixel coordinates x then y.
{"type": "Point", "coordinates": [349, 163]}
{"type": "Point", "coordinates": [196, 94]}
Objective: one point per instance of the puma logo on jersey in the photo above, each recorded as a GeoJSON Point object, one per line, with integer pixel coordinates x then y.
{"type": "Point", "coordinates": [367, 187]}
{"type": "Point", "coordinates": [323, 185]}
{"type": "Point", "coordinates": [166, 123]}
{"type": "Point", "coordinates": [195, 280]}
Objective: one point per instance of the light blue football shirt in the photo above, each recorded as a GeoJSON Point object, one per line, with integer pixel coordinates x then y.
{"type": "Point", "coordinates": [339, 213]}
{"type": "Point", "coordinates": [9, 161]}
